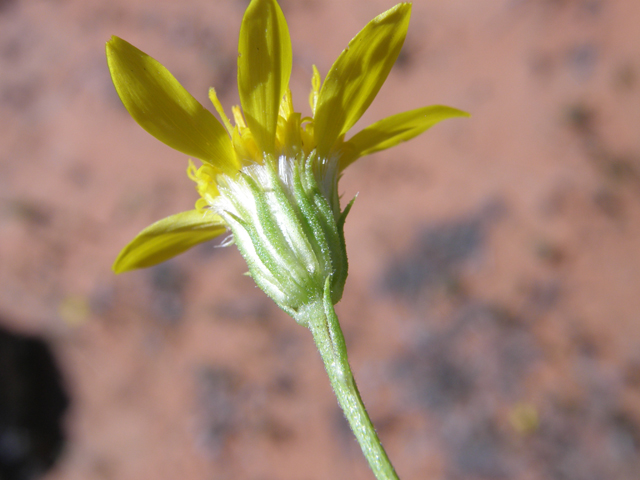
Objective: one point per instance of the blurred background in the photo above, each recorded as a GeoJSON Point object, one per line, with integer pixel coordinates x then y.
{"type": "Point", "coordinates": [492, 307]}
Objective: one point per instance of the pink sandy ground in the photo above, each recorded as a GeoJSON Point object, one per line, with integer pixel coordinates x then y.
{"type": "Point", "coordinates": [492, 311]}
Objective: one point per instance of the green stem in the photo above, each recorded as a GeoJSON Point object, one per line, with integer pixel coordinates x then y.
{"type": "Point", "coordinates": [321, 319]}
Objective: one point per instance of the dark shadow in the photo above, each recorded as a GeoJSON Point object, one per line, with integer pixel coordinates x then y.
{"type": "Point", "coordinates": [439, 252]}
{"type": "Point", "coordinates": [33, 401]}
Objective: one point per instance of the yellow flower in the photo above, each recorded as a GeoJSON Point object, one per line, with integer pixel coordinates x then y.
{"type": "Point", "coordinates": [272, 152]}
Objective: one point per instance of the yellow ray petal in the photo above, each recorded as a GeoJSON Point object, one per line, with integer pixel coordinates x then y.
{"type": "Point", "coordinates": [357, 75]}
{"type": "Point", "coordinates": [392, 130]}
{"type": "Point", "coordinates": [156, 100]}
{"type": "Point", "coordinates": [167, 238]}
{"type": "Point", "coordinates": [264, 67]}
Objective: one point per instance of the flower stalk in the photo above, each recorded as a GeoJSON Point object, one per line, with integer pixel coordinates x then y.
{"type": "Point", "coordinates": [321, 319]}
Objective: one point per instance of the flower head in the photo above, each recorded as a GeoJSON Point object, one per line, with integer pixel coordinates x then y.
{"type": "Point", "coordinates": [270, 176]}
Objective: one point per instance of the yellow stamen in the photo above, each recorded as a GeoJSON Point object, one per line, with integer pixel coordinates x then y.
{"type": "Point", "coordinates": [237, 116]}
{"type": "Point", "coordinates": [307, 136]}
{"type": "Point", "coordinates": [315, 89]}
{"type": "Point", "coordinates": [205, 180]}
{"type": "Point", "coordinates": [192, 171]}
{"type": "Point", "coordinates": [202, 205]}
{"type": "Point", "coordinates": [286, 105]}
{"type": "Point", "coordinates": [288, 140]}
{"type": "Point", "coordinates": [218, 106]}
{"type": "Point", "coordinates": [245, 146]}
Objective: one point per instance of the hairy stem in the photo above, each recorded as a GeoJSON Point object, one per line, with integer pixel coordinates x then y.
{"type": "Point", "coordinates": [323, 323]}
